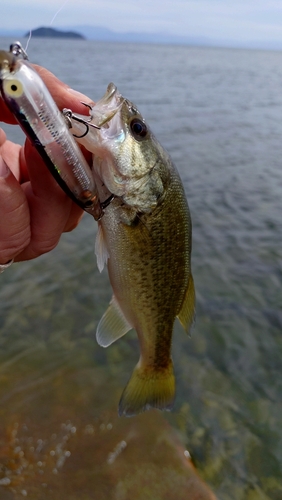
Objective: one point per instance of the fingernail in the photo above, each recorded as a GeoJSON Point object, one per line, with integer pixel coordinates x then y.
{"type": "Point", "coordinates": [4, 169]}
{"type": "Point", "coordinates": [79, 96]}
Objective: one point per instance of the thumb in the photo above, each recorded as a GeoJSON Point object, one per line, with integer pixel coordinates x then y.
{"type": "Point", "coordinates": [15, 218]}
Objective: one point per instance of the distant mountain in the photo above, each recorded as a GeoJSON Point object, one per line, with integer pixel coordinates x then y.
{"type": "Point", "coordinates": [47, 32]}
{"type": "Point", "coordinates": [105, 35]}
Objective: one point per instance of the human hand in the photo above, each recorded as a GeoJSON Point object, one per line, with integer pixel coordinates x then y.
{"type": "Point", "coordinates": [34, 209]}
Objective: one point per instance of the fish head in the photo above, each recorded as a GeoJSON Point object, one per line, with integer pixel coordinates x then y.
{"type": "Point", "coordinates": [127, 157]}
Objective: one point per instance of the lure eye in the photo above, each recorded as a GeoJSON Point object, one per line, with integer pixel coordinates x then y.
{"type": "Point", "coordinates": [138, 128]}
{"type": "Point", "coordinates": [13, 88]}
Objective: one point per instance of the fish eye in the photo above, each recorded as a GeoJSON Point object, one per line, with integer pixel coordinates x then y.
{"type": "Point", "coordinates": [13, 88]}
{"type": "Point", "coordinates": [138, 128]}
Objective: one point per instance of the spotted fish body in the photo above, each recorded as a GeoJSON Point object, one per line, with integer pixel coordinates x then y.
{"type": "Point", "coordinates": [145, 238]}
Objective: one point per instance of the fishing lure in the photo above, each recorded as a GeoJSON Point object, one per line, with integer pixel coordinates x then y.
{"type": "Point", "coordinates": [29, 100]}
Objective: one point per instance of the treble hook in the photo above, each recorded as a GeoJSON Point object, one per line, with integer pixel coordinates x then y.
{"type": "Point", "coordinates": [68, 114]}
{"type": "Point", "coordinates": [84, 123]}
{"type": "Point", "coordinates": [105, 204]}
{"type": "Point", "coordinates": [87, 105]}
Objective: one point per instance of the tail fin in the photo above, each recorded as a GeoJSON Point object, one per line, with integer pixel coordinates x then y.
{"type": "Point", "coordinates": [148, 388]}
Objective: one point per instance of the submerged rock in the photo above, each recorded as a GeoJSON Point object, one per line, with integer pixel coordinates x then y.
{"type": "Point", "coordinates": [110, 458]}
{"type": "Point", "coordinates": [61, 438]}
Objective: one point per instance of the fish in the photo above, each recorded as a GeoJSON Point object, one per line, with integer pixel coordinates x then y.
{"type": "Point", "coordinates": [144, 237]}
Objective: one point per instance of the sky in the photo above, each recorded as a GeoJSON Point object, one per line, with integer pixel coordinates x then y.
{"type": "Point", "coordinates": [239, 20]}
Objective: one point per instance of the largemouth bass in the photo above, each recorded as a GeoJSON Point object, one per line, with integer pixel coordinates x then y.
{"type": "Point", "coordinates": [144, 237]}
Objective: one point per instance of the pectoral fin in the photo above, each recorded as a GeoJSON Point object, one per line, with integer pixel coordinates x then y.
{"type": "Point", "coordinates": [101, 250]}
{"type": "Point", "coordinates": [186, 315]}
{"type": "Point", "coordinates": [112, 325]}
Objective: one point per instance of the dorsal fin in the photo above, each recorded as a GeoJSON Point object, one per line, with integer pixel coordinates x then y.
{"type": "Point", "coordinates": [112, 325]}
{"type": "Point", "coordinates": [186, 315]}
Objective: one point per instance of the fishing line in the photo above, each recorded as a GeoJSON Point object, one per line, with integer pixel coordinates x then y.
{"type": "Point", "coordinates": [62, 6]}
{"type": "Point", "coordinates": [51, 22]}
{"type": "Point", "coordinates": [28, 40]}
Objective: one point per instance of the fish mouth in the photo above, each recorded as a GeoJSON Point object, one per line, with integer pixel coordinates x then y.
{"type": "Point", "coordinates": [106, 108]}
{"type": "Point", "coordinates": [104, 128]}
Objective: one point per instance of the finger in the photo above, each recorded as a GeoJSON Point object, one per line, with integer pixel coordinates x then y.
{"type": "Point", "coordinates": [14, 220]}
{"type": "Point", "coordinates": [5, 114]}
{"type": "Point", "coordinates": [75, 213]}
{"type": "Point", "coordinates": [2, 137]}
{"type": "Point", "coordinates": [13, 156]}
{"type": "Point", "coordinates": [10, 153]}
{"type": "Point", "coordinates": [75, 217]}
{"type": "Point", "coordinates": [50, 208]}
{"type": "Point", "coordinates": [63, 95]}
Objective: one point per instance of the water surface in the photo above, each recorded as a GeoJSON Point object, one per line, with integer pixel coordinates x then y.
{"type": "Point", "coordinates": [218, 113]}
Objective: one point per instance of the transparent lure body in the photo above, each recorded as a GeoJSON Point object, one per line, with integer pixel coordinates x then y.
{"type": "Point", "coordinates": [28, 98]}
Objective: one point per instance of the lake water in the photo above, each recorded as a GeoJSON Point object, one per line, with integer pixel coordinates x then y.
{"type": "Point", "coordinates": [219, 114]}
